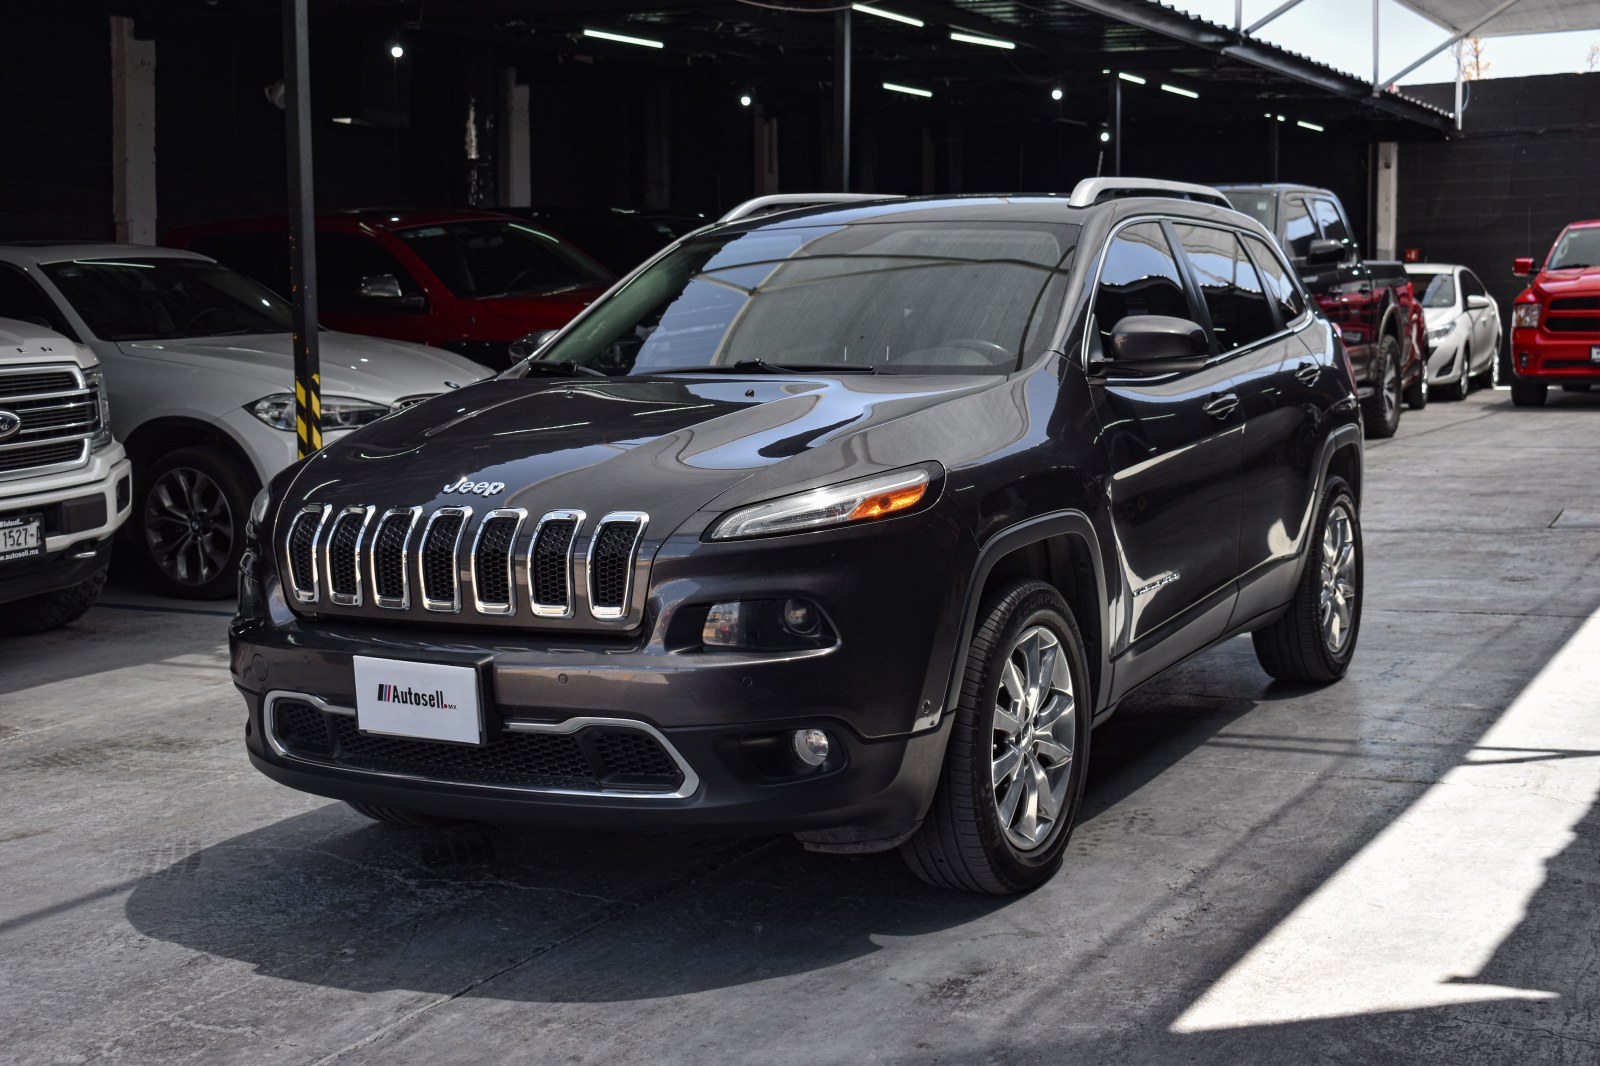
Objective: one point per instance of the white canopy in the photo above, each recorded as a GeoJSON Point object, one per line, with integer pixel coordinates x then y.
{"type": "Point", "coordinates": [1502, 18]}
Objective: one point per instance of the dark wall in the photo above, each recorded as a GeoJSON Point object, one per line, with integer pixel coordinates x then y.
{"type": "Point", "coordinates": [55, 94]}
{"type": "Point", "coordinates": [1525, 166]}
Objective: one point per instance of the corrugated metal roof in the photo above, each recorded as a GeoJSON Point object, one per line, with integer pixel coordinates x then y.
{"type": "Point", "coordinates": [1522, 16]}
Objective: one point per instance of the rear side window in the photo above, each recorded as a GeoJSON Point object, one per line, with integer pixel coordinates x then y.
{"type": "Point", "coordinates": [1298, 228]}
{"type": "Point", "coordinates": [1139, 277]}
{"type": "Point", "coordinates": [344, 261]}
{"type": "Point", "coordinates": [1235, 298]}
{"type": "Point", "coordinates": [1277, 279]}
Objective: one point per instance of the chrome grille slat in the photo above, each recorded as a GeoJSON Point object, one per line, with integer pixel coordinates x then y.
{"type": "Point", "coordinates": [610, 562]}
{"type": "Point", "coordinates": [387, 558]}
{"type": "Point", "coordinates": [300, 552]}
{"type": "Point", "coordinates": [494, 578]}
{"type": "Point", "coordinates": [342, 555]}
{"type": "Point", "coordinates": [550, 563]}
{"type": "Point", "coordinates": [60, 412]}
{"type": "Point", "coordinates": [439, 560]}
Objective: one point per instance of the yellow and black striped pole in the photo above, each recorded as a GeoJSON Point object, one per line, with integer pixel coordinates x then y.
{"type": "Point", "coordinates": [302, 226]}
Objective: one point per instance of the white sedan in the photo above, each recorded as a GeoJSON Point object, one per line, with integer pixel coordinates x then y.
{"type": "Point", "coordinates": [1463, 327]}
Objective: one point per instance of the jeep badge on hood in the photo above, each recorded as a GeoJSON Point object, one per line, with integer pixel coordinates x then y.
{"type": "Point", "coordinates": [476, 488]}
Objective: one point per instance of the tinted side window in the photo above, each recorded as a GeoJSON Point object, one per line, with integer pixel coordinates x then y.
{"type": "Point", "coordinates": [22, 299]}
{"type": "Point", "coordinates": [1332, 222]}
{"type": "Point", "coordinates": [1471, 286]}
{"type": "Point", "coordinates": [1279, 282]}
{"type": "Point", "coordinates": [1298, 228]}
{"type": "Point", "coordinates": [1138, 277]}
{"type": "Point", "coordinates": [1240, 314]}
{"type": "Point", "coordinates": [343, 260]}
{"type": "Point", "coordinates": [263, 256]}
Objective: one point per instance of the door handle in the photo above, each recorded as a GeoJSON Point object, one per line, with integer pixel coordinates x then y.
{"type": "Point", "coordinates": [1306, 373]}
{"type": "Point", "coordinates": [1220, 407]}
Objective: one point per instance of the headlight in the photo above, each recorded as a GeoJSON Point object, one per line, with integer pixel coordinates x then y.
{"type": "Point", "coordinates": [338, 412]}
{"type": "Point", "coordinates": [1525, 316]}
{"type": "Point", "coordinates": [1443, 331]}
{"type": "Point", "coordinates": [97, 387]}
{"type": "Point", "coordinates": [861, 500]}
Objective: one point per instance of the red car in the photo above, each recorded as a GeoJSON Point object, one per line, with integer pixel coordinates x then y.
{"type": "Point", "coordinates": [471, 281]}
{"type": "Point", "coordinates": [1555, 323]}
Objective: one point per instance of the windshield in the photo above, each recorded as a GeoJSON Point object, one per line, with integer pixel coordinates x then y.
{"type": "Point", "coordinates": [491, 257]}
{"type": "Point", "coordinates": [1576, 248]}
{"type": "Point", "coordinates": [162, 298]}
{"type": "Point", "coordinates": [909, 297]}
{"type": "Point", "coordinates": [1437, 290]}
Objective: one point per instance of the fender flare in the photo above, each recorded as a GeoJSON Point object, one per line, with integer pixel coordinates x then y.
{"type": "Point", "coordinates": [1072, 523]}
{"type": "Point", "coordinates": [1342, 437]}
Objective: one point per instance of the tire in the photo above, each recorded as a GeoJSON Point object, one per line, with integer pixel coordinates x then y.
{"type": "Point", "coordinates": [1380, 412]}
{"type": "Point", "coordinates": [1417, 391]}
{"type": "Point", "coordinates": [968, 841]}
{"type": "Point", "coordinates": [1458, 389]}
{"type": "Point", "coordinates": [51, 610]}
{"type": "Point", "coordinates": [400, 816]}
{"type": "Point", "coordinates": [1314, 642]}
{"type": "Point", "coordinates": [188, 532]}
{"type": "Point", "coordinates": [1529, 393]}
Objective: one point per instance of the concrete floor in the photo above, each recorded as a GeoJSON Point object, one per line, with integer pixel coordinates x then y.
{"type": "Point", "coordinates": [1400, 868]}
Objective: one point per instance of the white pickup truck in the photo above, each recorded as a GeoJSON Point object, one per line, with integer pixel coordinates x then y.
{"type": "Point", "coordinates": [65, 484]}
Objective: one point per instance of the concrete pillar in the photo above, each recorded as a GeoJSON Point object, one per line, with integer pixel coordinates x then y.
{"type": "Point", "coordinates": [765, 151]}
{"type": "Point", "coordinates": [133, 134]}
{"type": "Point", "coordinates": [658, 149]}
{"type": "Point", "coordinates": [1388, 194]}
{"type": "Point", "coordinates": [516, 159]}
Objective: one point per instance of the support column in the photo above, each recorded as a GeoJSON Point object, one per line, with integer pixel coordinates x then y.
{"type": "Point", "coordinates": [1272, 148]}
{"type": "Point", "coordinates": [842, 73]}
{"type": "Point", "coordinates": [516, 159]}
{"type": "Point", "coordinates": [1116, 126]}
{"type": "Point", "coordinates": [302, 226]}
{"type": "Point", "coordinates": [133, 134]}
{"type": "Point", "coordinates": [658, 148]}
{"type": "Point", "coordinates": [1388, 193]}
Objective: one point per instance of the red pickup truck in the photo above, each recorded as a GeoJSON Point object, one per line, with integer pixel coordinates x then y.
{"type": "Point", "coordinates": [1371, 301]}
{"type": "Point", "coordinates": [1555, 323]}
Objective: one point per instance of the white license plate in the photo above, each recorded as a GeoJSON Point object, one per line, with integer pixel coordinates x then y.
{"type": "Point", "coordinates": [1594, 353]}
{"type": "Point", "coordinates": [428, 701]}
{"type": "Point", "coordinates": [21, 536]}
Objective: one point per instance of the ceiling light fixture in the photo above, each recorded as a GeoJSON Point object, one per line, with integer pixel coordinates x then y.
{"type": "Point", "coordinates": [622, 38]}
{"type": "Point", "coordinates": [1312, 126]}
{"type": "Point", "coordinates": [1125, 76]}
{"type": "Point", "coordinates": [744, 101]}
{"type": "Point", "coordinates": [1056, 93]}
{"type": "Point", "coordinates": [908, 90]}
{"type": "Point", "coordinates": [891, 15]}
{"type": "Point", "coordinates": [1190, 93]}
{"type": "Point", "coordinates": [973, 38]}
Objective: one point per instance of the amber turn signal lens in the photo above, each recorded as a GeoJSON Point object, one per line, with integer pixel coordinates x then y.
{"type": "Point", "coordinates": [888, 503]}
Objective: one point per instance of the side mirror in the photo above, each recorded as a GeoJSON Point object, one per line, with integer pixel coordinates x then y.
{"type": "Point", "coordinates": [1522, 266]}
{"type": "Point", "coordinates": [1156, 344]}
{"type": "Point", "coordinates": [381, 287]}
{"type": "Point", "coordinates": [1325, 253]}
{"type": "Point", "coordinates": [1478, 303]}
{"type": "Point", "coordinates": [526, 345]}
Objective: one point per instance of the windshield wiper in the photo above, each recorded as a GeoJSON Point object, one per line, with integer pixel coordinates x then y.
{"type": "Point", "coordinates": [747, 366]}
{"type": "Point", "coordinates": [570, 370]}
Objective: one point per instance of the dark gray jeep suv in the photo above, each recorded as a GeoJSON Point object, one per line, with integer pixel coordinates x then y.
{"type": "Point", "coordinates": [848, 521]}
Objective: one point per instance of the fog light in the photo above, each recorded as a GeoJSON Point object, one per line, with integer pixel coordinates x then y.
{"type": "Point", "coordinates": [722, 628]}
{"type": "Point", "coordinates": [811, 746]}
{"type": "Point", "coordinates": [800, 618]}
{"type": "Point", "coordinates": [1522, 359]}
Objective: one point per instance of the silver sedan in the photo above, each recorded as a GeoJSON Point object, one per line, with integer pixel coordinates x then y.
{"type": "Point", "coordinates": [1463, 327]}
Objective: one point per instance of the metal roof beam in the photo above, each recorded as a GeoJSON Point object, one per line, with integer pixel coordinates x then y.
{"type": "Point", "coordinates": [1468, 32]}
{"type": "Point", "coordinates": [1271, 16]}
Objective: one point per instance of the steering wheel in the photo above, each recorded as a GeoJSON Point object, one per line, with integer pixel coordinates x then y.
{"type": "Point", "coordinates": [200, 316]}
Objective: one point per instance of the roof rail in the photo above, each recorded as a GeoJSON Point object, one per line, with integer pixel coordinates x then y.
{"type": "Point", "coordinates": [766, 205]}
{"type": "Point", "coordinates": [1094, 190]}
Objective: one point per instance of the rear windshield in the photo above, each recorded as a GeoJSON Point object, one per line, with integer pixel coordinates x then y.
{"type": "Point", "coordinates": [161, 298]}
{"type": "Point", "coordinates": [904, 297]}
{"type": "Point", "coordinates": [501, 258]}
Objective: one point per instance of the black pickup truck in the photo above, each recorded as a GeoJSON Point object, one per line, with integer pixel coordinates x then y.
{"type": "Point", "coordinates": [848, 521]}
{"type": "Point", "coordinates": [1370, 300]}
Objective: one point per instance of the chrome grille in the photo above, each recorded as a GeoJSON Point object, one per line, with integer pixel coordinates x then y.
{"type": "Point", "coordinates": [550, 563]}
{"type": "Point", "coordinates": [391, 587]}
{"type": "Point", "coordinates": [342, 557]}
{"type": "Point", "coordinates": [611, 556]}
{"type": "Point", "coordinates": [493, 564]}
{"type": "Point", "coordinates": [59, 412]}
{"type": "Point", "coordinates": [439, 563]}
{"type": "Point", "coordinates": [300, 552]}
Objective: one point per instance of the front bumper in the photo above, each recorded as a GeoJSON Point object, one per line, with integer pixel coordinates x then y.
{"type": "Point", "coordinates": [80, 511]}
{"type": "Point", "coordinates": [1538, 356]}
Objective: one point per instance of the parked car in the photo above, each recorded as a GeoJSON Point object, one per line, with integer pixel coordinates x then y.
{"type": "Point", "coordinates": [1371, 301]}
{"type": "Point", "coordinates": [1555, 322]}
{"type": "Point", "coordinates": [1463, 327]}
{"type": "Point", "coordinates": [617, 238]}
{"type": "Point", "coordinates": [64, 480]}
{"type": "Point", "coordinates": [846, 522]}
{"type": "Point", "coordinates": [199, 368]}
{"type": "Point", "coordinates": [474, 282]}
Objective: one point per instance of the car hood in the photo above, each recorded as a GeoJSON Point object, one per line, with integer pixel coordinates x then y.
{"type": "Point", "coordinates": [511, 317]}
{"type": "Point", "coordinates": [664, 446]}
{"type": "Point", "coordinates": [1581, 282]}
{"type": "Point", "coordinates": [1438, 316]}
{"type": "Point", "coordinates": [367, 368]}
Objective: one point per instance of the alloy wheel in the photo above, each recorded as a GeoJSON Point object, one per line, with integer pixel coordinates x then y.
{"type": "Point", "coordinates": [188, 525]}
{"type": "Point", "coordinates": [1035, 730]}
{"type": "Point", "coordinates": [1337, 599]}
{"type": "Point", "coordinates": [1391, 391]}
